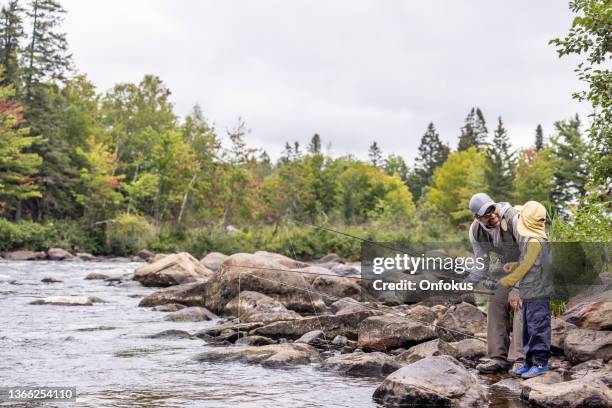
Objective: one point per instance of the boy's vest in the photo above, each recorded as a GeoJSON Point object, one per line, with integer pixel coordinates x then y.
{"type": "Point", "coordinates": [509, 250]}
{"type": "Point", "coordinates": [538, 282]}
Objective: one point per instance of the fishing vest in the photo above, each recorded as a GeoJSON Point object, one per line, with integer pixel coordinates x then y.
{"type": "Point", "coordinates": [509, 250]}
{"type": "Point", "coordinates": [538, 281]}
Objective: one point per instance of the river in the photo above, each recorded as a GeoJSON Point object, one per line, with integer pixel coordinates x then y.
{"type": "Point", "coordinates": [104, 352]}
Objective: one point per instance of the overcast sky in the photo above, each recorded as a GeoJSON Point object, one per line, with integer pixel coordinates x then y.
{"type": "Point", "coordinates": [353, 71]}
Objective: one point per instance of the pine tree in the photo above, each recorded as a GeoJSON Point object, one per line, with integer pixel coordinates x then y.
{"type": "Point", "coordinates": [315, 144]}
{"type": "Point", "coordinates": [474, 132]}
{"type": "Point", "coordinates": [47, 54]}
{"type": "Point", "coordinates": [375, 154]}
{"type": "Point", "coordinates": [569, 150]}
{"type": "Point", "coordinates": [11, 35]}
{"type": "Point", "coordinates": [539, 138]}
{"type": "Point", "coordinates": [432, 154]}
{"type": "Point", "coordinates": [296, 150]}
{"type": "Point", "coordinates": [499, 172]}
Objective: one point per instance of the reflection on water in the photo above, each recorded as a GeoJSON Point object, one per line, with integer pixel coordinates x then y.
{"type": "Point", "coordinates": [103, 350]}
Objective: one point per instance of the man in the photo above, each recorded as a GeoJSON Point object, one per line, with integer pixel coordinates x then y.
{"type": "Point", "coordinates": [493, 234]}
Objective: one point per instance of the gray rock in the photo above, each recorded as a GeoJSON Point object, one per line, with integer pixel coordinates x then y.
{"type": "Point", "coordinates": [363, 364]}
{"type": "Point", "coordinates": [257, 307]}
{"type": "Point", "coordinates": [433, 381]}
{"type": "Point", "coordinates": [145, 254]}
{"type": "Point", "coordinates": [20, 256]}
{"type": "Point", "coordinates": [262, 274]}
{"type": "Point", "coordinates": [172, 270]}
{"type": "Point", "coordinates": [559, 329]}
{"type": "Point", "coordinates": [507, 387]}
{"type": "Point", "coordinates": [171, 334]}
{"type": "Point", "coordinates": [422, 314]}
{"type": "Point", "coordinates": [345, 270]}
{"type": "Point", "coordinates": [460, 322]}
{"type": "Point", "coordinates": [569, 394]}
{"type": "Point", "coordinates": [96, 276]}
{"type": "Point", "coordinates": [170, 307]}
{"type": "Point", "coordinates": [330, 258]}
{"type": "Point", "coordinates": [471, 349]}
{"type": "Point", "coordinates": [189, 294]}
{"type": "Point", "coordinates": [312, 272]}
{"type": "Point", "coordinates": [347, 305]}
{"type": "Point", "coordinates": [583, 345]}
{"type": "Point", "coordinates": [273, 355]}
{"type": "Point", "coordinates": [255, 341]}
{"type": "Point", "coordinates": [340, 340]}
{"type": "Point", "coordinates": [313, 338]}
{"type": "Point", "coordinates": [191, 314]}
{"type": "Point", "coordinates": [282, 259]}
{"type": "Point", "coordinates": [593, 312]}
{"type": "Point", "coordinates": [85, 256]}
{"type": "Point", "coordinates": [336, 287]}
{"type": "Point", "coordinates": [430, 348]}
{"type": "Point", "coordinates": [68, 301]}
{"type": "Point", "coordinates": [346, 324]}
{"type": "Point", "coordinates": [50, 280]}
{"type": "Point", "coordinates": [213, 260]}
{"type": "Point", "coordinates": [59, 254]}
{"type": "Point", "coordinates": [384, 333]}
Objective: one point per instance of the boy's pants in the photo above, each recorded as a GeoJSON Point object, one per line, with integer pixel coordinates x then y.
{"type": "Point", "coordinates": [536, 330]}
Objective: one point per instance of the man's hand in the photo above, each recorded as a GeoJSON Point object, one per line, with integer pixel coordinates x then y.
{"type": "Point", "coordinates": [514, 299]}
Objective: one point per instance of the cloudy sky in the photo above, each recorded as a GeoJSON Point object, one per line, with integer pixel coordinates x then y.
{"type": "Point", "coordinates": [353, 71]}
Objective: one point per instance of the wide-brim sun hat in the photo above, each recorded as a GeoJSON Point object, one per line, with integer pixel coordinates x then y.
{"type": "Point", "coordinates": [532, 221]}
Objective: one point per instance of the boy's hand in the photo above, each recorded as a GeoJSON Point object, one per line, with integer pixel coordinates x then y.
{"type": "Point", "coordinates": [514, 300]}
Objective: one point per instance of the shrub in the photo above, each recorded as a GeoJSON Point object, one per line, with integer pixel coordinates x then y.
{"type": "Point", "coordinates": [128, 234]}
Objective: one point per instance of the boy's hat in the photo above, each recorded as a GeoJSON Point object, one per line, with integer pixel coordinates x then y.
{"type": "Point", "coordinates": [532, 220]}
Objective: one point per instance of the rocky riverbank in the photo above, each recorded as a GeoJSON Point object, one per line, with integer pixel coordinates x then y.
{"type": "Point", "coordinates": [272, 311]}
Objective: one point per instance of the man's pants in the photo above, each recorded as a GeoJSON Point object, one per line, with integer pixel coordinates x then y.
{"type": "Point", "coordinates": [499, 345]}
{"type": "Point", "coordinates": [536, 330]}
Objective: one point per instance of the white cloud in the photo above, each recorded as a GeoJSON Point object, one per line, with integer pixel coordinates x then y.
{"type": "Point", "coordinates": [353, 71]}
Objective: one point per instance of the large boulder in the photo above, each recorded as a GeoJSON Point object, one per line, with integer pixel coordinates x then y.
{"type": "Point", "coordinates": [345, 325]}
{"type": "Point", "coordinates": [460, 322]}
{"type": "Point", "coordinates": [172, 270]}
{"type": "Point", "coordinates": [273, 355]}
{"type": "Point", "coordinates": [347, 305]}
{"type": "Point", "coordinates": [21, 256]}
{"type": "Point", "coordinates": [258, 273]}
{"type": "Point", "coordinates": [363, 364]}
{"type": "Point", "coordinates": [188, 294]}
{"type": "Point", "coordinates": [282, 259]}
{"type": "Point", "coordinates": [470, 349]}
{"type": "Point", "coordinates": [583, 345]}
{"type": "Point", "coordinates": [213, 260]}
{"type": "Point", "coordinates": [191, 314]}
{"type": "Point", "coordinates": [569, 394]}
{"type": "Point", "coordinates": [421, 314]}
{"type": "Point", "coordinates": [336, 287]}
{"type": "Point", "coordinates": [436, 347]}
{"type": "Point", "coordinates": [257, 307]}
{"type": "Point", "coordinates": [433, 381]}
{"type": "Point", "coordinates": [559, 329]}
{"type": "Point", "coordinates": [59, 254]}
{"type": "Point", "coordinates": [593, 312]}
{"type": "Point", "coordinates": [384, 333]}
{"type": "Point", "coordinates": [313, 272]}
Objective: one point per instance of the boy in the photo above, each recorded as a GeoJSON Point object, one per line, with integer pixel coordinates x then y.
{"type": "Point", "coordinates": [533, 275]}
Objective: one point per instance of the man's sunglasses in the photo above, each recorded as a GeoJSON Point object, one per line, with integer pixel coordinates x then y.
{"type": "Point", "coordinates": [488, 213]}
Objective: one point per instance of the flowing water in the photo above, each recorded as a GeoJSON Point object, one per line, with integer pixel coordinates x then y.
{"type": "Point", "coordinates": [104, 352]}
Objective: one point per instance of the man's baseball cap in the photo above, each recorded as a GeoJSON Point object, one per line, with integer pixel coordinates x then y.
{"type": "Point", "coordinates": [479, 203]}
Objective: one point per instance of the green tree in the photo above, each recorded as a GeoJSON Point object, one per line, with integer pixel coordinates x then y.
{"type": "Point", "coordinates": [432, 154]}
{"type": "Point", "coordinates": [395, 164]}
{"type": "Point", "coordinates": [499, 172]}
{"type": "Point", "coordinates": [11, 35]}
{"type": "Point", "coordinates": [18, 167]}
{"type": "Point", "coordinates": [454, 183]}
{"type": "Point", "coordinates": [591, 35]}
{"type": "Point", "coordinates": [474, 132]}
{"type": "Point", "coordinates": [534, 178]}
{"type": "Point", "coordinates": [375, 154]}
{"type": "Point", "coordinates": [570, 162]}
{"type": "Point", "coordinates": [315, 144]}
{"type": "Point", "coordinates": [539, 138]}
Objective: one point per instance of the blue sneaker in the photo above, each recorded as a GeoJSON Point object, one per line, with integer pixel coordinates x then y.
{"type": "Point", "coordinates": [536, 370]}
{"type": "Point", "coordinates": [519, 371]}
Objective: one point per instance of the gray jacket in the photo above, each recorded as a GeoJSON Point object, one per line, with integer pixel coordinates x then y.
{"type": "Point", "coordinates": [538, 282]}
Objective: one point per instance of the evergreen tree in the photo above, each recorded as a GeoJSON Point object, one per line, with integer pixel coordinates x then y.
{"type": "Point", "coordinates": [539, 138]}
{"type": "Point", "coordinates": [474, 132]}
{"type": "Point", "coordinates": [286, 154]}
{"type": "Point", "coordinates": [47, 54]}
{"type": "Point", "coordinates": [499, 172]}
{"type": "Point", "coordinates": [569, 150]}
{"type": "Point", "coordinates": [315, 144]}
{"type": "Point", "coordinates": [375, 154]}
{"type": "Point", "coordinates": [11, 35]}
{"type": "Point", "coordinates": [296, 150]}
{"type": "Point", "coordinates": [432, 154]}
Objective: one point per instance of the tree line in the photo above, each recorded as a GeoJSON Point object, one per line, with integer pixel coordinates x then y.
{"type": "Point", "coordinates": [122, 162]}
